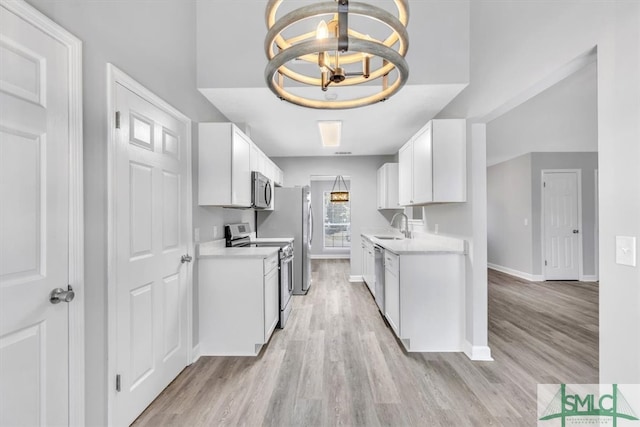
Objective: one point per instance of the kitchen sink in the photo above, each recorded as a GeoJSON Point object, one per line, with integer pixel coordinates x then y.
{"type": "Point", "coordinates": [389, 238]}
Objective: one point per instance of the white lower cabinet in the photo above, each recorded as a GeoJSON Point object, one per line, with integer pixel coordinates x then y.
{"type": "Point", "coordinates": [392, 291]}
{"type": "Point", "coordinates": [424, 300]}
{"type": "Point", "coordinates": [368, 264]}
{"type": "Point", "coordinates": [238, 304]}
{"type": "Point", "coordinates": [271, 302]}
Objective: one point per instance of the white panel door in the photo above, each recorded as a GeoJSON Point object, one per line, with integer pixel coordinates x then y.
{"type": "Point", "coordinates": [151, 236]}
{"type": "Point", "coordinates": [561, 240]}
{"type": "Point", "coordinates": [34, 225]}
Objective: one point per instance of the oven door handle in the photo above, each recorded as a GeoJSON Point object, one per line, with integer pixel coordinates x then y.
{"type": "Point", "coordinates": [287, 259]}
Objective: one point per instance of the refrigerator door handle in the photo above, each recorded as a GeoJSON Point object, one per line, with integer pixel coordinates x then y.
{"type": "Point", "coordinates": [310, 225]}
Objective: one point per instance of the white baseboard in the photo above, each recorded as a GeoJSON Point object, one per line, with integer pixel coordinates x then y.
{"type": "Point", "coordinates": [589, 278]}
{"type": "Point", "coordinates": [330, 256]}
{"type": "Point", "coordinates": [477, 352]}
{"type": "Point", "coordinates": [354, 279]}
{"type": "Point", "coordinates": [516, 273]}
{"type": "Point", "coordinates": [196, 353]}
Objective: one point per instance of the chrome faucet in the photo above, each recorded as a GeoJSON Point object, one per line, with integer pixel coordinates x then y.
{"type": "Point", "coordinates": [406, 232]}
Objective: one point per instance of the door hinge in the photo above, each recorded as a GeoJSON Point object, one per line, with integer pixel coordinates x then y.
{"type": "Point", "coordinates": [118, 382]}
{"type": "Point", "coordinates": [544, 184]}
{"type": "Point", "coordinates": [117, 119]}
{"type": "Point", "coordinates": [545, 262]}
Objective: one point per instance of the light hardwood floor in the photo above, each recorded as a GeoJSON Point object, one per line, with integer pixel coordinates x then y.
{"type": "Point", "coordinates": [337, 362]}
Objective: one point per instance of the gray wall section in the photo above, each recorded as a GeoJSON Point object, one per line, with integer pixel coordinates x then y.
{"type": "Point", "coordinates": [587, 163]}
{"type": "Point", "coordinates": [362, 172]}
{"type": "Point", "coordinates": [508, 205]}
{"type": "Point", "coordinates": [514, 192]}
{"type": "Point", "coordinates": [133, 36]}
{"type": "Point", "coordinates": [318, 187]}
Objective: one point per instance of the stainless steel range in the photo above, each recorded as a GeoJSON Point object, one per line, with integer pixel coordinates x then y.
{"type": "Point", "coordinates": [240, 235]}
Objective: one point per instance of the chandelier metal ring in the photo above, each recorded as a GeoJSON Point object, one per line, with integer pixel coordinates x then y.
{"type": "Point", "coordinates": [315, 46]}
{"type": "Point", "coordinates": [399, 31]}
{"type": "Point", "coordinates": [330, 7]}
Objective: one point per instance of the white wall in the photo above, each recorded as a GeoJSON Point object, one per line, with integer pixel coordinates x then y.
{"type": "Point", "coordinates": [362, 172]}
{"type": "Point", "coordinates": [563, 118]}
{"type": "Point", "coordinates": [515, 45]}
{"type": "Point", "coordinates": [155, 43]}
{"type": "Point", "coordinates": [508, 206]}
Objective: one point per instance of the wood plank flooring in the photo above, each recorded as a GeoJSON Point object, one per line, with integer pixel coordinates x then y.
{"type": "Point", "coordinates": [337, 363]}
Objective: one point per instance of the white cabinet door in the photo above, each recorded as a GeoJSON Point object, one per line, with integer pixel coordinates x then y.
{"type": "Point", "coordinates": [240, 170]}
{"type": "Point", "coordinates": [382, 188]}
{"type": "Point", "coordinates": [405, 174]}
{"type": "Point", "coordinates": [422, 168]}
{"type": "Point", "coordinates": [254, 157]}
{"type": "Point", "coordinates": [387, 197]}
{"type": "Point", "coordinates": [271, 303]}
{"type": "Point", "coordinates": [392, 292]}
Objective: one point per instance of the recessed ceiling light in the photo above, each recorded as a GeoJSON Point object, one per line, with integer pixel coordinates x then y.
{"type": "Point", "coordinates": [330, 132]}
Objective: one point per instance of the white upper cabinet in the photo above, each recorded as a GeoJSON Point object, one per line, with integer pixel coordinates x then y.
{"type": "Point", "coordinates": [388, 186]}
{"type": "Point", "coordinates": [432, 165]}
{"type": "Point", "coordinates": [224, 166]}
{"type": "Point", "coordinates": [226, 159]}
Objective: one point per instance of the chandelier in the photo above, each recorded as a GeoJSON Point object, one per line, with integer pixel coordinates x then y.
{"type": "Point", "coordinates": [334, 55]}
{"type": "Point", "coordinates": [340, 196]}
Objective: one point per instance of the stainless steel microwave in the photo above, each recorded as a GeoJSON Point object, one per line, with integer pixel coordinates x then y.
{"type": "Point", "coordinates": [261, 191]}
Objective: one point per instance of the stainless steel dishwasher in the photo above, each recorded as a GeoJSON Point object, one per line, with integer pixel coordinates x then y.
{"type": "Point", "coordinates": [379, 269]}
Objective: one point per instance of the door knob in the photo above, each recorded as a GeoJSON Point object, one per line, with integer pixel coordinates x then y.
{"type": "Point", "coordinates": [575, 231]}
{"type": "Point", "coordinates": [186, 258]}
{"type": "Point", "coordinates": [58, 295]}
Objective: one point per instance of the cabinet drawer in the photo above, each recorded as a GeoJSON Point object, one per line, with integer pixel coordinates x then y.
{"type": "Point", "coordinates": [270, 263]}
{"type": "Point", "coordinates": [391, 261]}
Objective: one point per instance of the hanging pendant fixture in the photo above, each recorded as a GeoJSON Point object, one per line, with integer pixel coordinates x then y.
{"type": "Point", "coordinates": [339, 196]}
{"type": "Point", "coordinates": [335, 57]}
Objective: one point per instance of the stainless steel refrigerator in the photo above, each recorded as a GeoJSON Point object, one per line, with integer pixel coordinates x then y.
{"type": "Point", "coordinates": [292, 216]}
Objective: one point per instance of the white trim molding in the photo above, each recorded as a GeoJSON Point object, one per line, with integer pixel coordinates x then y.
{"type": "Point", "coordinates": [76, 201]}
{"type": "Point", "coordinates": [195, 353]}
{"type": "Point", "coordinates": [356, 278]}
{"type": "Point", "coordinates": [115, 77]}
{"type": "Point", "coordinates": [589, 278]}
{"type": "Point", "coordinates": [520, 274]}
{"type": "Point", "coordinates": [477, 352]}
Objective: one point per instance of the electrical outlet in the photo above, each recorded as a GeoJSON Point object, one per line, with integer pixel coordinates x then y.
{"type": "Point", "coordinates": [526, 222]}
{"type": "Point", "coordinates": [215, 231]}
{"type": "Point", "coordinates": [196, 235]}
{"type": "Point", "coordinates": [626, 250]}
{"type": "Point", "coordinates": [436, 229]}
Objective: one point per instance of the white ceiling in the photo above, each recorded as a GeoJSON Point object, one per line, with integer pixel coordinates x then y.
{"type": "Point", "coordinates": [283, 129]}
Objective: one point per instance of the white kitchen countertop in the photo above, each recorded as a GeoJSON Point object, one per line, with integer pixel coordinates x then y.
{"type": "Point", "coordinates": [217, 249]}
{"type": "Point", "coordinates": [425, 244]}
{"type": "Point", "coordinates": [272, 239]}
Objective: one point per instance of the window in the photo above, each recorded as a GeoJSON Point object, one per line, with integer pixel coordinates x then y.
{"type": "Point", "coordinates": [337, 223]}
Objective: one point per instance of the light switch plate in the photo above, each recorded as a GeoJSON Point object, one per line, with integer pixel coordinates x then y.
{"type": "Point", "coordinates": [215, 231]}
{"type": "Point", "coordinates": [196, 235]}
{"type": "Point", "coordinates": [626, 250]}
